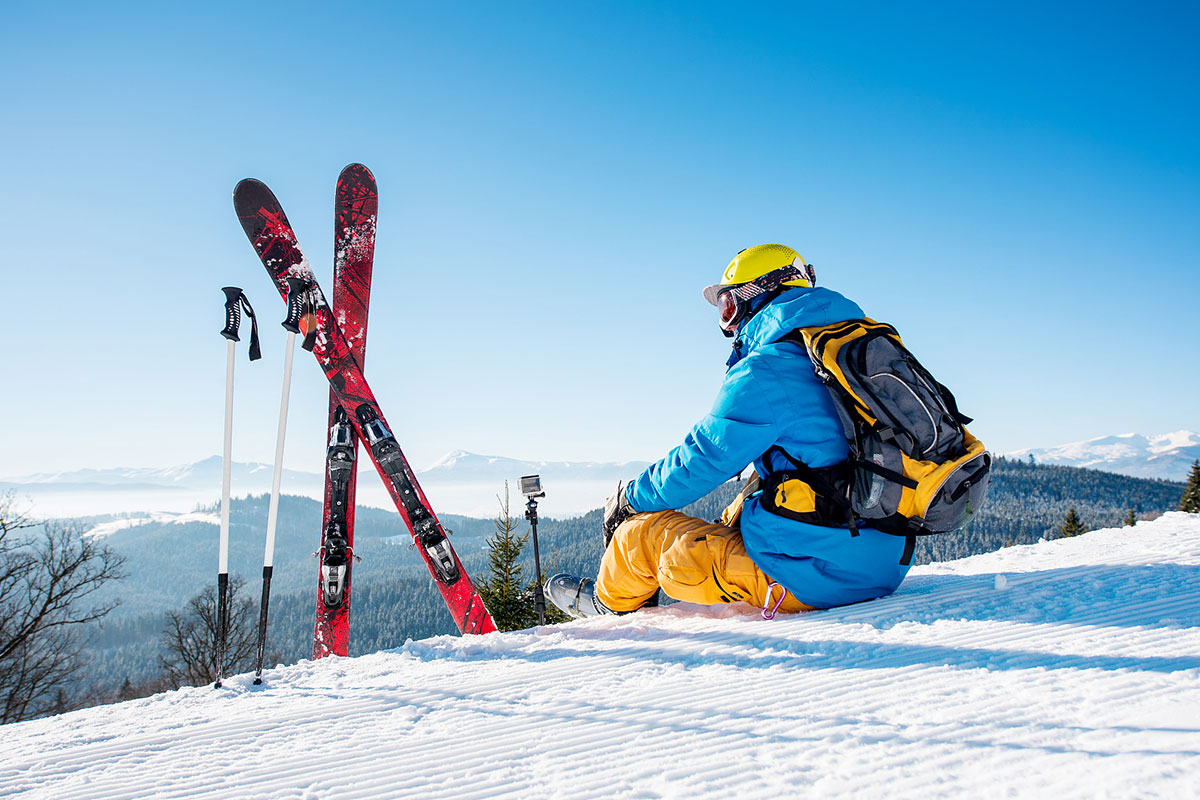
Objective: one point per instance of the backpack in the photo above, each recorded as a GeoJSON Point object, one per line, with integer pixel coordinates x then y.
{"type": "Point", "coordinates": [913, 469]}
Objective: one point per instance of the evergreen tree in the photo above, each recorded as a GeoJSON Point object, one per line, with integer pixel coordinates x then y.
{"type": "Point", "coordinates": [1072, 525]}
{"type": "Point", "coordinates": [505, 594]}
{"type": "Point", "coordinates": [1191, 494]}
{"type": "Point", "coordinates": [1131, 518]}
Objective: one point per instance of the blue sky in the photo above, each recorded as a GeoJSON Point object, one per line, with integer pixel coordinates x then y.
{"type": "Point", "coordinates": [1016, 188]}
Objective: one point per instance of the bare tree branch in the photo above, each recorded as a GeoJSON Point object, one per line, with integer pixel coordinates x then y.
{"type": "Point", "coordinates": [190, 637]}
{"type": "Point", "coordinates": [49, 573]}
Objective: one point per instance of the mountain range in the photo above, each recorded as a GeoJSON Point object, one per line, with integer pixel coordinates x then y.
{"type": "Point", "coordinates": [203, 474]}
{"type": "Point", "coordinates": [1168, 456]}
{"type": "Point", "coordinates": [460, 465]}
{"type": "Point", "coordinates": [462, 482]}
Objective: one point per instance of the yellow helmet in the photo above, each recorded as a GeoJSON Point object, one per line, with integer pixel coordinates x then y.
{"type": "Point", "coordinates": [754, 262]}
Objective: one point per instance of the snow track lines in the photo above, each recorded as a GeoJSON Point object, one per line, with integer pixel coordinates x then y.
{"type": "Point", "coordinates": [1067, 669]}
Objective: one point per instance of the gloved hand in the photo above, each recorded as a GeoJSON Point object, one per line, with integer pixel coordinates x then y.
{"type": "Point", "coordinates": [616, 511]}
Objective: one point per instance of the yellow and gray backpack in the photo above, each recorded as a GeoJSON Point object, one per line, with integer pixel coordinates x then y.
{"type": "Point", "coordinates": [913, 470]}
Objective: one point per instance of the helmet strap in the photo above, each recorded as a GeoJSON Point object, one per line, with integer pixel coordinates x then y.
{"type": "Point", "coordinates": [773, 280]}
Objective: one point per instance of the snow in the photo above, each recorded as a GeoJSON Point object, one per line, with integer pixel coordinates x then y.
{"type": "Point", "coordinates": [1065, 669]}
{"type": "Point", "coordinates": [1175, 441]}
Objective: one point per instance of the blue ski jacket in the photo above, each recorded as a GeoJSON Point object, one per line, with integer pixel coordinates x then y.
{"type": "Point", "coordinates": [772, 396]}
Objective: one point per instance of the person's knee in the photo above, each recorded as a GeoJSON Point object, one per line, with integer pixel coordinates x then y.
{"type": "Point", "coordinates": [684, 564]}
{"type": "Point", "coordinates": [639, 539]}
{"type": "Point", "coordinates": [629, 567]}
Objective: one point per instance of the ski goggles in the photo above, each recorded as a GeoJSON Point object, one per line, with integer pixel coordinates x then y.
{"type": "Point", "coordinates": [734, 301]}
{"type": "Point", "coordinates": [731, 309]}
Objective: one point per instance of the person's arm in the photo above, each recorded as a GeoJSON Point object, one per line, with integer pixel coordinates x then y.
{"type": "Point", "coordinates": [739, 429]}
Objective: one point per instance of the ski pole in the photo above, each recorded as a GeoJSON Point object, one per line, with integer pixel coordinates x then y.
{"type": "Point", "coordinates": [235, 303]}
{"type": "Point", "coordinates": [297, 308]}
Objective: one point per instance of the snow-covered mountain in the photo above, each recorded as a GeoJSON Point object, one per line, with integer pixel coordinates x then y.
{"type": "Point", "coordinates": [140, 490]}
{"type": "Point", "coordinates": [459, 483]}
{"type": "Point", "coordinates": [460, 465]}
{"type": "Point", "coordinates": [1168, 456]}
{"type": "Point", "coordinates": [1065, 669]}
{"type": "Point", "coordinates": [249, 478]}
{"type": "Point", "coordinates": [468, 483]}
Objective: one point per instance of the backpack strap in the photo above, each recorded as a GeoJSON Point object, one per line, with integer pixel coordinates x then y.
{"type": "Point", "coordinates": [884, 472]}
{"type": "Point", "coordinates": [831, 484]}
{"type": "Point", "coordinates": [952, 404]}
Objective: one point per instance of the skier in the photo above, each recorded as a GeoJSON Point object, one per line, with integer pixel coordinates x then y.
{"type": "Point", "coordinates": [771, 405]}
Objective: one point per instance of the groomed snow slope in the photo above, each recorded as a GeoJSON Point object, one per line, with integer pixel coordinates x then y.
{"type": "Point", "coordinates": [1065, 669]}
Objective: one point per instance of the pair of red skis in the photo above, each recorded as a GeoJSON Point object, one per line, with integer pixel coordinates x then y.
{"type": "Point", "coordinates": [337, 337]}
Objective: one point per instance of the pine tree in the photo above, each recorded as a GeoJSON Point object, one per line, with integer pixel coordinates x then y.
{"type": "Point", "coordinates": [1191, 493]}
{"type": "Point", "coordinates": [1072, 525]}
{"type": "Point", "coordinates": [505, 594]}
{"type": "Point", "coordinates": [1131, 518]}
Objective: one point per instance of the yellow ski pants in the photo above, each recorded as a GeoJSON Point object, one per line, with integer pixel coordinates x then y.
{"type": "Point", "coordinates": [692, 560]}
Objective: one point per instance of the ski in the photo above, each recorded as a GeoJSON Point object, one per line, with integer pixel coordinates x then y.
{"type": "Point", "coordinates": [271, 234]}
{"type": "Point", "coordinates": [356, 204]}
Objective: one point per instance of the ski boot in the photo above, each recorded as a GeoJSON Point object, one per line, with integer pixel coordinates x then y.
{"type": "Point", "coordinates": [576, 597]}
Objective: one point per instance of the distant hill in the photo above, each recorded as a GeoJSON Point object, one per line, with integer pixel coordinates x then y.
{"type": "Point", "coordinates": [1168, 456]}
{"type": "Point", "coordinates": [140, 491]}
{"type": "Point", "coordinates": [460, 482]}
{"type": "Point", "coordinates": [468, 483]}
{"type": "Point", "coordinates": [462, 466]}
{"type": "Point", "coordinates": [247, 478]}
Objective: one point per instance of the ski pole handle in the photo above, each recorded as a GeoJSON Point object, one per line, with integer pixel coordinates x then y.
{"type": "Point", "coordinates": [233, 312]}
{"type": "Point", "coordinates": [295, 305]}
{"type": "Point", "coordinates": [300, 308]}
{"type": "Point", "coordinates": [236, 303]}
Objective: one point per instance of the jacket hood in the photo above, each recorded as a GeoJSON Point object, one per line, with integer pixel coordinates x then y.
{"type": "Point", "coordinates": [801, 307]}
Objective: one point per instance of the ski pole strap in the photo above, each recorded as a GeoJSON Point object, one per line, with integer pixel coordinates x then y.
{"type": "Point", "coordinates": [768, 610]}
{"type": "Point", "coordinates": [299, 307]}
{"type": "Point", "coordinates": [236, 303]}
{"type": "Point", "coordinates": [255, 352]}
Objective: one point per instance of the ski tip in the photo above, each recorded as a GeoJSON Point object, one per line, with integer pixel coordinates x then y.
{"type": "Point", "coordinates": [247, 183]}
{"type": "Point", "coordinates": [354, 167]}
{"type": "Point", "coordinates": [249, 188]}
